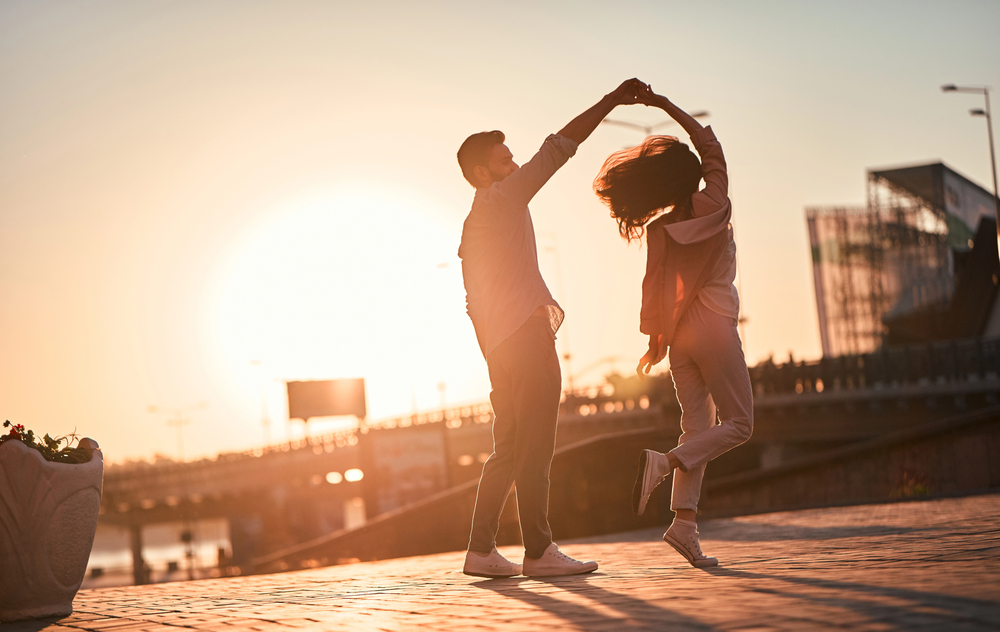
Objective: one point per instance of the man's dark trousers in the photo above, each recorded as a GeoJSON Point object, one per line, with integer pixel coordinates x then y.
{"type": "Point", "coordinates": [527, 384]}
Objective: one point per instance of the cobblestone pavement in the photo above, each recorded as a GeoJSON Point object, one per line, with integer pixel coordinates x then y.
{"type": "Point", "coordinates": [931, 565]}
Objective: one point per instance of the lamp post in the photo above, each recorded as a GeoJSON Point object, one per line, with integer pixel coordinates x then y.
{"type": "Point", "coordinates": [180, 417]}
{"type": "Point", "coordinates": [985, 90]}
{"type": "Point", "coordinates": [265, 419]}
{"type": "Point", "coordinates": [648, 129]}
{"type": "Point", "coordinates": [566, 356]}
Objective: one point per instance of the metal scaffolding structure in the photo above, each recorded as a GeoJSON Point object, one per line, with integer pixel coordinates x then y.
{"type": "Point", "coordinates": [893, 256]}
{"type": "Point", "coordinates": [847, 266]}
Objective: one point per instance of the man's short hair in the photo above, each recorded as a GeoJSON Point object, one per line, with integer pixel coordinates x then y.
{"type": "Point", "coordinates": [475, 152]}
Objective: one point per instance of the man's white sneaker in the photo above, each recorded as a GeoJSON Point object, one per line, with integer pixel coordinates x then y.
{"type": "Point", "coordinates": [685, 541]}
{"type": "Point", "coordinates": [554, 562]}
{"type": "Point", "coordinates": [653, 468]}
{"type": "Point", "coordinates": [493, 565]}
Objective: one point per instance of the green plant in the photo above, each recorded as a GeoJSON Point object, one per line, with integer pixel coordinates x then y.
{"type": "Point", "coordinates": [51, 449]}
{"type": "Point", "coordinates": [913, 485]}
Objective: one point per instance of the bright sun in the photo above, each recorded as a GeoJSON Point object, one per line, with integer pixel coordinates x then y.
{"type": "Point", "coordinates": [345, 284]}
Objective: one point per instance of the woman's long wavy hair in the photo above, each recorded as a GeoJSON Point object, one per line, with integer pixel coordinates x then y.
{"type": "Point", "coordinates": [638, 183]}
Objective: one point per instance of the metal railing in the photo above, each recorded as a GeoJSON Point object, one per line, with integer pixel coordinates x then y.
{"type": "Point", "coordinates": [944, 362]}
{"type": "Point", "coordinates": [951, 361]}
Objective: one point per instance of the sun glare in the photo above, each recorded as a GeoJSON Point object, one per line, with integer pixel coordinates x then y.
{"type": "Point", "coordinates": [343, 284]}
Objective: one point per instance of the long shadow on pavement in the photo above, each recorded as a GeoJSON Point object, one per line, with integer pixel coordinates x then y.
{"type": "Point", "coordinates": [943, 612]}
{"type": "Point", "coordinates": [756, 532]}
{"type": "Point", "coordinates": [733, 531]}
{"type": "Point", "coordinates": [33, 625]}
{"type": "Point", "coordinates": [638, 613]}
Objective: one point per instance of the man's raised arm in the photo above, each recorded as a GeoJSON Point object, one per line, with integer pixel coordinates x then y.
{"type": "Point", "coordinates": [582, 126]}
{"type": "Point", "coordinates": [522, 185]}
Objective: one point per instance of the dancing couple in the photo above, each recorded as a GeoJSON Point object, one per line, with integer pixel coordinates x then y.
{"type": "Point", "coordinates": [689, 311]}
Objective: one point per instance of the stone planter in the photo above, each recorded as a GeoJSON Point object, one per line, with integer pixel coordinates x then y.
{"type": "Point", "coordinates": [48, 518]}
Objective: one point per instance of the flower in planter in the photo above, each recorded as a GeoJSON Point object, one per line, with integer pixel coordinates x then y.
{"type": "Point", "coordinates": [49, 447]}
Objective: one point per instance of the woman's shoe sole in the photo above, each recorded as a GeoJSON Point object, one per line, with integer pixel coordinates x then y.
{"type": "Point", "coordinates": [680, 548]}
{"type": "Point", "coordinates": [638, 505]}
{"type": "Point", "coordinates": [637, 488]}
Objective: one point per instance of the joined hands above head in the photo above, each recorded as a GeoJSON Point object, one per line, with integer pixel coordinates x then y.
{"type": "Point", "coordinates": [628, 93]}
{"type": "Point", "coordinates": [646, 96]}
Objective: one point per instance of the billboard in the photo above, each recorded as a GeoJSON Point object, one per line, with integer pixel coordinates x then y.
{"type": "Point", "coordinates": [404, 465]}
{"type": "Point", "coordinates": [967, 202]}
{"type": "Point", "coordinates": [326, 398]}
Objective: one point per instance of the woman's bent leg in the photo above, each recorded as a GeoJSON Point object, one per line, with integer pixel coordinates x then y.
{"type": "Point", "coordinates": [718, 354]}
{"type": "Point", "coordinates": [697, 415]}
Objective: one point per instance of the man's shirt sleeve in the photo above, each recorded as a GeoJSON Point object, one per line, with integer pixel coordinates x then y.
{"type": "Point", "coordinates": [519, 187]}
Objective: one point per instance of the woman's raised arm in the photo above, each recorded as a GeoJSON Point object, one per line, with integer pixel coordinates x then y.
{"type": "Point", "coordinates": [648, 97]}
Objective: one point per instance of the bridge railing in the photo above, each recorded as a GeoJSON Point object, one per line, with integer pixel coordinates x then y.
{"type": "Point", "coordinates": [918, 364]}
{"type": "Point", "coordinates": [937, 362]}
{"type": "Point", "coordinates": [453, 417]}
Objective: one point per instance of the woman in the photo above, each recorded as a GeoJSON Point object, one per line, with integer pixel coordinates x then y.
{"type": "Point", "coordinates": [690, 305]}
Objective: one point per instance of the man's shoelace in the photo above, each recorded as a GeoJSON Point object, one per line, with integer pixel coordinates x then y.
{"type": "Point", "coordinates": [563, 557]}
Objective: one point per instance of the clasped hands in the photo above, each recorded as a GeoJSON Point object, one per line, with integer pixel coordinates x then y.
{"type": "Point", "coordinates": [632, 91]}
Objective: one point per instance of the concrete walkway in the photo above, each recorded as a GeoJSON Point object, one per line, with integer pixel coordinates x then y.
{"type": "Point", "coordinates": [932, 565]}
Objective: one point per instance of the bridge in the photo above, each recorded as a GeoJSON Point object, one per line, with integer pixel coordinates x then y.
{"type": "Point", "coordinates": [280, 495]}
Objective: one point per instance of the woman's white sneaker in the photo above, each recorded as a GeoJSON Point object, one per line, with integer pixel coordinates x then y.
{"type": "Point", "coordinates": [653, 468]}
{"type": "Point", "coordinates": [685, 541]}
{"type": "Point", "coordinates": [493, 565]}
{"type": "Point", "coordinates": [554, 562]}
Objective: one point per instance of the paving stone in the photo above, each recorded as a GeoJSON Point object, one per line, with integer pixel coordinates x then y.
{"type": "Point", "coordinates": [916, 565]}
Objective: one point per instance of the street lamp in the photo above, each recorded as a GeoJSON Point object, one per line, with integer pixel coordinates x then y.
{"type": "Point", "coordinates": [265, 419]}
{"type": "Point", "coordinates": [985, 90]}
{"type": "Point", "coordinates": [180, 417]}
{"type": "Point", "coordinates": [648, 129]}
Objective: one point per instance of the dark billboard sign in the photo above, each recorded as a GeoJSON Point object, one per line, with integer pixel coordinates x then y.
{"type": "Point", "coordinates": [326, 398]}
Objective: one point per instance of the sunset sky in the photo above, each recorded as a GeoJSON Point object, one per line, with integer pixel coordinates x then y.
{"type": "Point", "coordinates": [202, 199]}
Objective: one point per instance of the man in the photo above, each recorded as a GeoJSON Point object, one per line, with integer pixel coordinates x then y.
{"type": "Point", "coordinates": [516, 318]}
